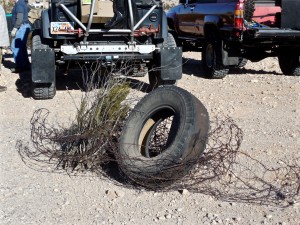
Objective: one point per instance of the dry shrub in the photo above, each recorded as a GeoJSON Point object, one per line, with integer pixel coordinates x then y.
{"type": "Point", "coordinates": [91, 143]}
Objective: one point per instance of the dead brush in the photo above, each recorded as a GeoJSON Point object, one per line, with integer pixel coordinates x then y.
{"type": "Point", "coordinates": [95, 129]}
{"type": "Point", "coordinates": [91, 144]}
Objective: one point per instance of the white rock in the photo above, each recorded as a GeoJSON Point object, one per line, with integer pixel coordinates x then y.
{"type": "Point", "coordinates": [184, 192]}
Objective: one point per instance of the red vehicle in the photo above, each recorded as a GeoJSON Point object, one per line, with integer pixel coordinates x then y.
{"type": "Point", "coordinates": [266, 12]}
{"type": "Point", "coordinates": [230, 32]}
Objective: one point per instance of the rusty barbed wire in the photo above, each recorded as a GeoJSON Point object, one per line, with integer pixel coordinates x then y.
{"type": "Point", "coordinates": [220, 172]}
{"type": "Point", "coordinates": [91, 144]}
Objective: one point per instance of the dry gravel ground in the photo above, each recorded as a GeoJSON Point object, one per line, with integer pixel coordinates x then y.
{"type": "Point", "coordinates": [264, 104]}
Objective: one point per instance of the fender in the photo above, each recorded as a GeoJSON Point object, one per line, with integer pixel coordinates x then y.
{"type": "Point", "coordinates": [211, 20]}
{"type": "Point", "coordinates": [45, 21]}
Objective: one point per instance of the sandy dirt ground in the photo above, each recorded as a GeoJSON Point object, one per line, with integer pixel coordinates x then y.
{"type": "Point", "coordinates": [262, 102]}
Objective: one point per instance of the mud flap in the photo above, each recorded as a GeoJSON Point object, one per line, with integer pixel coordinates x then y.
{"type": "Point", "coordinates": [228, 56]}
{"type": "Point", "coordinates": [43, 66]}
{"type": "Point", "coordinates": [169, 63]}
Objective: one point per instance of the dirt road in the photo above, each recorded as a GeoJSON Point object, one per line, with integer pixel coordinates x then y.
{"type": "Point", "coordinates": [262, 102]}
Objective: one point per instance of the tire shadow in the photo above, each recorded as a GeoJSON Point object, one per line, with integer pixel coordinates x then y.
{"type": "Point", "coordinates": [242, 71]}
{"type": "Point", "coordinates": [194, 67]}
{"type": "Point", "coordinates": [139, 85]}
{"type": "Point", "coordinates": [23, 84]}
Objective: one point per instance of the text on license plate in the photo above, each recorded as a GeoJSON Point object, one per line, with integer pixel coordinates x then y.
{"type": "Point", "coordinates": [62, 28]}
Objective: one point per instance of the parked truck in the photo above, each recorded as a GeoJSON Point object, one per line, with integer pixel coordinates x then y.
{"type": "Point", "coordinates": [72, 32]}
{"type": "Point", "coordinates": [230, 32]}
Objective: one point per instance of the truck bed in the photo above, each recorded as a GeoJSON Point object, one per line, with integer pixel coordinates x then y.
{"type": "Point", "coordinates": [275, 33]}
{"type": "Point", "coordinates": [271, 37]}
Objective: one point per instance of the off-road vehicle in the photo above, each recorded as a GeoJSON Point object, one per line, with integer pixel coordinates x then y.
{"type": "Point", "coordinates": [230, 32]}
{"type": "Point", "coordinates": [72, 31]}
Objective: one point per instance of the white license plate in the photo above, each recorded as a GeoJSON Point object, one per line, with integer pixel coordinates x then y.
{"type": "Point", "coordinates": [62, 28]}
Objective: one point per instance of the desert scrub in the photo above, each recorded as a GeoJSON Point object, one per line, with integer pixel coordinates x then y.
{"type": "Point", "coordinates": [98, 122]}
{"type": "Point", "coordinates": [94, 133]}
{"type": "Point", "coordinates": [103, 107]}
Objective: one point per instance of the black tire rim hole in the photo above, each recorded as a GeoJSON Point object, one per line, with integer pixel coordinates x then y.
{"type": "Point", "coordinates": [160, 134]}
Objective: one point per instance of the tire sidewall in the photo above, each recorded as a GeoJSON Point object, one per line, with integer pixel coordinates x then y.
{"type": "Point", "coordinates": [186, 146]}
{"type": "Point", "coordinates": [289, 63]}
{"type": "Point", "coordinates": [209, 54]}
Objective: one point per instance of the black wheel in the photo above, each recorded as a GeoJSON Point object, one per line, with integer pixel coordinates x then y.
{"type": "Point", "coordinates": [36, 42]}
{"type": "Point", "coordinates": [41, 90]}
{"type": "Point", "coordinates": [289, 63]}
{"type": "Point", "coordinates": [163, 137]}
{"type": "Point", "coordinates": [212, 58]}
{"type": "Point", "coordinates": [249, 10]}
{"type": "Point", "coordinates": [154, 72]}
{"type": "Point", "coordinates": [178, 41]}
{"type": "Point", "coordinates": [242, 63]}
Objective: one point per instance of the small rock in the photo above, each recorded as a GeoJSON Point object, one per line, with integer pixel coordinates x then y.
{"type": "Point", "coordinates": [269, 216]}
{"type": "Point", "coordinates": [161, 218]}
{"type": "Point", "coordinates": [237, 218]}
{"type": "Point", "coordinates": [111, 194]}
{"type": "Point", "coordinates": [168, 216]}
{"type": "Point", "coordinates": [219, 221]}
{"type": "Point", "coordinates": [184, 192]}
{"type": "Point", "coordinates": [254, 81]}
{"type": "Point", "coordinates": [120, 193]}
{"type": "Point", "coordinates": [209, 215]}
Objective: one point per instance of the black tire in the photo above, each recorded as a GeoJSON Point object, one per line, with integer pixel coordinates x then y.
{"type": "Point", "coordinates": [177, 150]}
{"type": "Point", "coordinates": [212, 58]}
{"type": "Point", "coordinates": [242, 63]}
{"type": "Point", "coordinates": [41, 91]}
{"type": "Point", "coordinates": [249, 10]}
{"type": "Point", "coordinates": [36, 42]}
{"type": "Point", "coordinates": [154, 73]}
{"type": "Point", "coordinates": [178, 41]}
{"type": "Point", "coordinates": [289, 63]}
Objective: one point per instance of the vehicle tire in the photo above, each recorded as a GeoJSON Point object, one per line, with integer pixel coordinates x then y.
{"type": "Point", "coordinates": [41, 91]}
{"type": "Point", "coordinates": [249, 10]}
{"type": "Point", "coordinates": [289, 63]}
{"type": "Point", "coordinates": [36, 43]}
{"type": "Point", "coordinates": [242, 63]}
{"type": "Point", "coordinates": [212, 58]}
{"type": "Point", "coordinates": [154, 73]}
{"type": "Point", "coordinates": [163, 137]}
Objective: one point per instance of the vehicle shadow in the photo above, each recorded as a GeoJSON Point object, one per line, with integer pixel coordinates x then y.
{"type": "Point", "coordinates": [242, 71]}
{"type": "Point", "coordinates": [74, 80]}
{"type": "Point", "coordinates": [194, 67]}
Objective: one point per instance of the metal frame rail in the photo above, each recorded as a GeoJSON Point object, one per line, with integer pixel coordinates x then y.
{"type": "Point", "coordinates": [88, 29]}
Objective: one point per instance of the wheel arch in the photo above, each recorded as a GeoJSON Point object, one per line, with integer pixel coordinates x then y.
{"type": "Point", "coordinates": [210, 28]}
{"type": "Point", "coordinates": [171, 24]}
